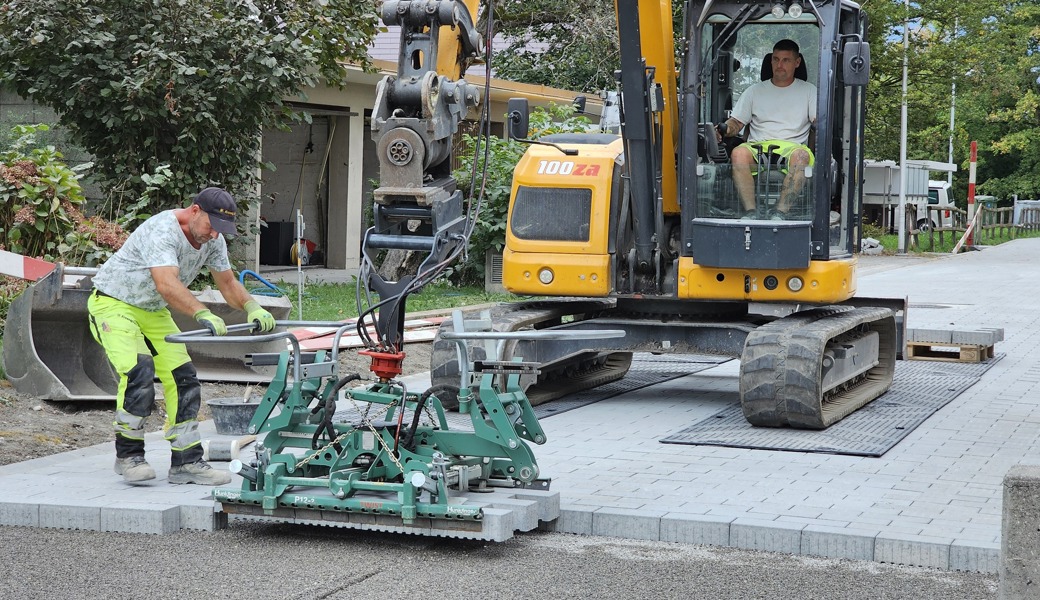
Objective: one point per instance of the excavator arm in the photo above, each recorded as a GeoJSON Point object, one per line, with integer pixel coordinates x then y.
{"type": "Point", "coordinates": [417, 112]}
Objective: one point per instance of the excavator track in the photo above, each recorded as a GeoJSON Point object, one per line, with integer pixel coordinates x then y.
{"type": "Point", "coordinates": [784, 370]}
{"type": "Point", "coordinates": [562, 377]}
{"type": "Point", "coordinates": [580, 375]}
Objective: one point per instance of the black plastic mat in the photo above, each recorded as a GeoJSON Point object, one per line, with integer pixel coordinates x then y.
{"type": "Point", "coordinates": [919, 389]}
{"type": "Point", "coordinates": [647, 369]}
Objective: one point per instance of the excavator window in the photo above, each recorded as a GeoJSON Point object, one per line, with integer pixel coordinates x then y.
{"type": "Point", "coordinates": [736, 56]}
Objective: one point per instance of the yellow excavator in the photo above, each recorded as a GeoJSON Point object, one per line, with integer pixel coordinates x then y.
{"type": "Point", "coordinates": [643, 230]}
{"type": "Point", "coordinates": [636, 240]}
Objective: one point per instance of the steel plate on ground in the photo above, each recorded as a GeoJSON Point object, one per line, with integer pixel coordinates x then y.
{"type": "Point", "coordinates": [918, 391]}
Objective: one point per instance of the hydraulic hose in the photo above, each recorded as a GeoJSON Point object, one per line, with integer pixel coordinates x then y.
{"type": "Point", "coordinates": [410, 438]}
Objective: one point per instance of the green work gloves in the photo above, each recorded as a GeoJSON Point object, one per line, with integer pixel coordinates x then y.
{"type": "Point", "coordinates": [256, 314]}
{"type": "Point", "coordinates": [211, 321]}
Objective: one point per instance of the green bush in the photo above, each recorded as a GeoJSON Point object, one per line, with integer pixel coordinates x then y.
{"type": "Point", "coordinates": [40, 202]}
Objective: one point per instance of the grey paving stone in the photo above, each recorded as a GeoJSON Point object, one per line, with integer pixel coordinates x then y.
{"type": "Point", "coordinates": [983, 557]}
{"type": "Point", "coordinates": [524, 512]}
{"type": "Point", "coordinates": [141, 518]}
{"type": "Point", "coordinates": [203, 518]}
{"type": "Point", "coordinates": [769, 536]}
{"type": "Point", "coordinates": [914, 334]}
{"type": "Point", "coordinates": [66, 516]}
{"type": "Point", "coordinates": [912, 550]}
{"type": "Point", "coordinates": [838, 542]}
{"type": "Point", "coordinates": [695, 529]}
{"type": "Point", "coordinates": [22, 514]}
{"type": "Point", "coordinates": [630, 524]}
{"type": "Point", "coordinates": [548, 502]}
{"type": "Point", "coordinates": [573, 519]}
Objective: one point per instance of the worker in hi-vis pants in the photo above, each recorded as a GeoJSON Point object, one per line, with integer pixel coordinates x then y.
{"type": "Point", "coordinates": [130, 317]}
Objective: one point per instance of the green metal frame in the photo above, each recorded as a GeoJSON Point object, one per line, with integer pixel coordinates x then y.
{"type": "Point", "coordinates": [365, 469]}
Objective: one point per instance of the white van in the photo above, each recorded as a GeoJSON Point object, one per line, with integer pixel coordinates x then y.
{"type": "Point", "coordinates": [940, 193]}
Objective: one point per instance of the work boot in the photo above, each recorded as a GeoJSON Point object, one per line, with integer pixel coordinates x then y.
{"type": "Point", "coordinates": [198, 472]}
{"type": "Point", "coordinates": [134, 469]}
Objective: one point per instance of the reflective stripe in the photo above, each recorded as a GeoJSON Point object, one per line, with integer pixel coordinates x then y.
{"type": "Point", "coordinates": [128, 425]}
{"type": "Point", "coordinates": [184, 435]}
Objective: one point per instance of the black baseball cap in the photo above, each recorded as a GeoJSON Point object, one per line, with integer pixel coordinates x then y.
{"type": "Point", "coordinates": [221, 209]}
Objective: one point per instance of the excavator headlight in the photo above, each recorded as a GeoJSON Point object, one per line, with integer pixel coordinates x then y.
{"type": "Point", "coordinates": [795, 284]}
{"type": "Point", "coordinates": [795, 9]}
{"type": "Point", "coordinates": [778, 10]}
{"type": "Point", "coordinates": [545, 275]}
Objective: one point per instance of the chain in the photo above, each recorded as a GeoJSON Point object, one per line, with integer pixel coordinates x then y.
{"type": "Point", "coordinates": [317, 452]}
{"type": "Point", "coordinates": [365, 420]}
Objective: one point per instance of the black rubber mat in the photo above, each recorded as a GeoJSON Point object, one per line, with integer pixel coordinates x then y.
{"type": "Point", "coordinates": [919, 389]}
{"type": "Point", "coordinates": [647, 369]}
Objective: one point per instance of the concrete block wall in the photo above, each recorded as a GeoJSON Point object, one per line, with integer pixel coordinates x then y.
{"type": "Point", "coordinates": [1020, 534]}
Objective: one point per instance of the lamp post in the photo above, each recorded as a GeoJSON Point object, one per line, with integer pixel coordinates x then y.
{"type": "Point", "coordinates": [953, 108]}
{"type": "Point", "coordinates": [901, 216]}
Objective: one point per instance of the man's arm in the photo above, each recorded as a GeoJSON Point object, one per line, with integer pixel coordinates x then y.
{"type": "Point", "coordinates": [234, 293]}
{"type": "Point", "coordinates": [730, 128]}
{"type": "Point", "coordinates": [169, 286]}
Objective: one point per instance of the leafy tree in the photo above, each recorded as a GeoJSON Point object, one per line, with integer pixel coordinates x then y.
{"type": "Point", "coordinates": [989, 50]}
{"type": "Point", "coordinates": [184, 86]}
{"type": "Point", "coordinates": [571, 44]}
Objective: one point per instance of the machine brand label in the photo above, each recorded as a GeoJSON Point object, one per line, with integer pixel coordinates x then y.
{"type": "Point", "coordinates": [372, 505]}
{"type": "Point", "coordinates": [303, 500]}
{"type": "Point", "coordinates": [465, 512]}
{"type": "Point", "coordinates": [567, 167]}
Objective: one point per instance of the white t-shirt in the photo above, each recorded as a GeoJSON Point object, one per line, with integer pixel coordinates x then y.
{"type": "Point", "coordinates": [158, 242]}
{"type": "Point", "coordinates": [777, 113]}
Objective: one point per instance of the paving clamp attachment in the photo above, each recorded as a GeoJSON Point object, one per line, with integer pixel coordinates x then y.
{"type": "Point", "coordinates": [392, 461]}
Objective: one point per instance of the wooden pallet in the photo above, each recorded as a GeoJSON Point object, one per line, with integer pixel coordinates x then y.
{"type": "Point", "coordinates": [948, 352]}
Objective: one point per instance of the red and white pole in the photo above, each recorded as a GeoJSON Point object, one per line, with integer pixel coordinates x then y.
{"type": "Point", "coordinates": [971, 189]}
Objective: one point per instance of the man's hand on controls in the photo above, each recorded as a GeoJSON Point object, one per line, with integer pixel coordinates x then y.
{"type": "Point", "coordinates": [211, 321]}
{"type": "Point", "coordinates": [257, 314]}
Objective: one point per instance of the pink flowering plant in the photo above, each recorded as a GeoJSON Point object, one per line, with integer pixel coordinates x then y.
{"type": "Point", "coordinates": [41, 206]}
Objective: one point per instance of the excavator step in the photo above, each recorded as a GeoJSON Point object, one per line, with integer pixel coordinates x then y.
{"type": "Point", "coordinates": [785, 378]}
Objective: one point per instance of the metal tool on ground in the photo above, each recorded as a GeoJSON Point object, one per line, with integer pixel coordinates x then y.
{"type": "Point", "coordinates": [224, 449]}
{"type": "Point", "coordinates": [395, 464]}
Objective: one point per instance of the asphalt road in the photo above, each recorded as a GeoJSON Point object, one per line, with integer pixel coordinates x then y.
{"type": "Point", "coordinates": [255, 561]}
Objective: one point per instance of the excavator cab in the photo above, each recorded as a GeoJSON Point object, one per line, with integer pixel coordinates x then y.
{"type": "Point", "coordinates": [729, 50]}
{"type": "Point", "coordinates": [646, 231]}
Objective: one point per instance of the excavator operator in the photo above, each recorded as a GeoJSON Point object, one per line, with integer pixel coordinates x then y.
{"type": "Point", "coordinates": [779, 112]}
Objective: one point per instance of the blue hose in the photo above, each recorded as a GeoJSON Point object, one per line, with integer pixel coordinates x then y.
{"type": "Point", "coordinates": [272, 289]}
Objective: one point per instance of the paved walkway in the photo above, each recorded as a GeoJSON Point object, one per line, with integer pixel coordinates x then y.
{"type": "Point", "coordinates": [933, 500]}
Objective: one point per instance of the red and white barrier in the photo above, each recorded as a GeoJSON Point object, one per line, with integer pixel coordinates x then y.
{"type": "Point", "coordinates": [23, 267]}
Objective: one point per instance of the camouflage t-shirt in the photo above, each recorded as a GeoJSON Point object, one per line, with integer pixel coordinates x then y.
{"type": "Point", "coordinates": [158, 242]}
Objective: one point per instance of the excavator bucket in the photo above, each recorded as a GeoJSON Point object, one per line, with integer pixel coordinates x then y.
{"type": "Point", "coordinates": [49, 351]}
